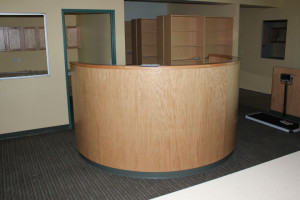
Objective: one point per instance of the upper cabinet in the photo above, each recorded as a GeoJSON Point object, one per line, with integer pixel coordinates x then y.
{"type": "Point", "coordinates": [30, 38]}
{"type": "Point", "coordinates": [14, 38]}
{"type": "Point", "coordinates": [33, 38]}
{"type": "Point", "coordinates": [2, 39]}
{"type": "Point", "coordinates": [73, 36]}
{"type": "Point", "coordinates": [41, 38]}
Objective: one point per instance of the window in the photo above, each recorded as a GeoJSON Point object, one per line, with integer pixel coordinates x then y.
{"type": "Point", "coordinates": [23, 45]}
{"type": "Point", "coordinates": [274, 39]}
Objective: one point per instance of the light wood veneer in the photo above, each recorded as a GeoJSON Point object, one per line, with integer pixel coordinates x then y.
{"type": "Point", "coordinates": [293, 91]}
{"type": "Point", "coordinates": [162, 119]}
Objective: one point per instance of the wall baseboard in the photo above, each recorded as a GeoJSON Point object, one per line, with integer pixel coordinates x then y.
{"type": "Point", "coordinates": [33, 132]}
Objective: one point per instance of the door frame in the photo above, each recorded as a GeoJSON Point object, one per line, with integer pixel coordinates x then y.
{"type": "Point", "coordinates": [113, 44]}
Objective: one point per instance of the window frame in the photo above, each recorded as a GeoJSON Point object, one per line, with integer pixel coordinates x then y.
{"type": "Point", "coordinates": [46, 45]}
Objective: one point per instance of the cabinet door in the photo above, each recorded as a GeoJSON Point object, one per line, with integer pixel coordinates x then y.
{"type": "Point", "coordinates": [14, 38]}
{"type": "Point", "coordinates": [30, 38]}
{"type": "Point", "coordinates": [2, 39]}
{"type": "Point", "coordinates": [72, 37]}
{"type": "Point", "coordinates": [41, 38]}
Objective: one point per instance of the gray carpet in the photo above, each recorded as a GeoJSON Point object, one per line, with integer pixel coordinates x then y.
{"type": "Point", "coordinates": [48, 166]}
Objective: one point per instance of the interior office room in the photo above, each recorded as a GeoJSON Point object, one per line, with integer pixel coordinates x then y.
{"type": "Point", "coordinates": [41, 157]}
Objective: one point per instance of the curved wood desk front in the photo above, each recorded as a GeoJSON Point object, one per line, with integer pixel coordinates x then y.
{"type": "Point", "coordinates": [158, 121]}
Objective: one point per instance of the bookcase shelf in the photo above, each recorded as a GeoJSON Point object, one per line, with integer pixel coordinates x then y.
{"type": "Point", "coordinates": [218, 35]}
{"type": "Point", "coordinates": [179, 39]}
{"type": "Point", "coordinates": [182, 39]}
{"type": "Point", "coordinates": [144, 41]}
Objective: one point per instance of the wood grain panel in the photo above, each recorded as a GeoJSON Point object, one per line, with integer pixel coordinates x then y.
{"type": "Point", "coordinates": [188, 38]}
{"type": "Point", "coordinates": [135, 52]}
{"type": "Point", "coordinates": [41, 35]}
{"type": "Point", "coordinates": [149, 59]}
{"type": "Point", "coordinates": [218, 49]}
{"type": "Point", "coordinates": [149, 25]}
{"type": "Point", "coordinates": [167, 40]}
{"type": "Point", "coordinates": [217, 58]}
{"type": "Point", "coordinates": [3, 45]}
{"type": "Point", "coordinates": [187, 23]}
{"type": "Point", "coordinates": [232, 96]}
{"type": "Point", "coordinates": [219, 38]}
{"type": "Point", "coordinates": [155, 120]}
{"type": "Point", "coordinates": [186, 52]}
{"type": "Point", "coordinates": [293, 93]}
{"type": "Point", "coordinates": [73, 36]}
{"type": "Point", "coordinates": [160, 40]}
{"type": "Point", "coordinates": [14, 37]}
{"type": "Point", "coordinates": [30, 38]}
{"type": "Point", "coordinates": [218, 23]}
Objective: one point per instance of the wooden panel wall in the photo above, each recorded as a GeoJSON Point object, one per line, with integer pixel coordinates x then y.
{"type": "Point", "coordinates": [293, 95]}
{"type": "Point", "coordinates": [155, 119]}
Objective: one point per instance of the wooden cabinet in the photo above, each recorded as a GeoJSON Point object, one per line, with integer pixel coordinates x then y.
{"type": "Point", "coordinates": [2, 39]}
{"type": "Point", "coordinates": [41, 38]}
{"type": "Point", "coordinates": [144, 41]}
{"type": "Point", "coordinates": [22, 38]}
{"type": "Point", "coordinates": [128, 43]}
{"type": "Point", "coordinates": [14, 39]}
{"type": "Point", "coordinates": [30, 38]}
{"type": "Point", "coordinates": [218, 35]}
{"type": "Point", "coordinates": [33, 38]}
{"type": "Point", "coordinates": [181, 39]}
{"type": "Point", "coordinates": [187, 40]}
{"type": "Point", "coordinates": [73, 37]}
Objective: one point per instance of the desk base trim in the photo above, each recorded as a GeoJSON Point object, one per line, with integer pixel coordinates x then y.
{"type": "Point", "coordinates": [156, 175]}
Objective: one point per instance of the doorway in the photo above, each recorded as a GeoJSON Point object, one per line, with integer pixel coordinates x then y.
{"type": "Point", "coordinates": [89, 37]}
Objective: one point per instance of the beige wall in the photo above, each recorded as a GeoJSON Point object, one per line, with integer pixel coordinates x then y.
{"type": "Point", "coordinates": [256, 72]}
{"type": "Point", "coordinates": [40, 102]}
{"type": "Point", "coordinates": [95, 36]}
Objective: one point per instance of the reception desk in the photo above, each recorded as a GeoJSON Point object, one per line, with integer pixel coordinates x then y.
{"type": "Point", "coordinates": [155, 122]}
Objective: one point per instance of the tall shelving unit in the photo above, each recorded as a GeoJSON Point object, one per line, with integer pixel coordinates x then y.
{"type": "Point", "coordinates": [187, 40]}
{"type": "Point", "coordinates": [128, 43]}
{"type": "Point", "coordinates": [218, 35]}
{"type": "Point", "coordinates": [144, 41]}
{"type": "Point", "coordinates": [182, 39]}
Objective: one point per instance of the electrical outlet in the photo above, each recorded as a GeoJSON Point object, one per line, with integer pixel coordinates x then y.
{"type": "Point", "coordinates": [14, 60]}
{"type": "Point", "coordinates": [19, 59]}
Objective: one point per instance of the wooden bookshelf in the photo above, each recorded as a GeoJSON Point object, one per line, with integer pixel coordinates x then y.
{"type": "Point", "coordinates": [218, 35]}
{"type": "Point", "coordinates": [182, 38]}
{"type": "Point", "coordinates": [128, 42]}
{"type": "Point", "coordinates": [187, 40]}
{"type": "Point", "coordinates": [144, 41]}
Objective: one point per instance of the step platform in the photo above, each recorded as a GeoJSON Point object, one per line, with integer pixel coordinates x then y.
{"type": "Point", "coordinates": [275, 122]}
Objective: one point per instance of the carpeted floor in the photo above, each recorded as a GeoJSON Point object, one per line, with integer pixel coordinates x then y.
{"type": "Point", "coordinates": [48, 166]}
